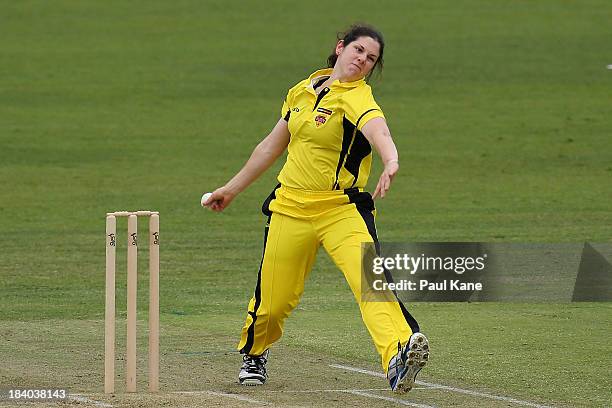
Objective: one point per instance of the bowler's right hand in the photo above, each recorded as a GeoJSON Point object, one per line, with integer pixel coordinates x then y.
{"type": "Point", "coordinates": [219, 199]}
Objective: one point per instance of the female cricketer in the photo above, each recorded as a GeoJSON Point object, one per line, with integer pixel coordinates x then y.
{"type": "Point", "coordinates": [328, 123]}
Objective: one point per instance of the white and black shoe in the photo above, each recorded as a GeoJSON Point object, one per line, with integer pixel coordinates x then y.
{"type": "Point", "coordinates": [253, 370]}
{"type": "Point", "coordinates": [410, 359]}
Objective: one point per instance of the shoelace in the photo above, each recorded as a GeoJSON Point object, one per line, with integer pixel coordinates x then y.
{"type": "Point", "coordinates": [251, 363]}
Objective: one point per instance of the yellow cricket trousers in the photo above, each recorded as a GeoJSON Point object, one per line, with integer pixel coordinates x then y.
{"type": "Point", "coordinates": [301, 221]}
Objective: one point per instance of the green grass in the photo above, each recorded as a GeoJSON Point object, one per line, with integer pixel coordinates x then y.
{"type": "Point", "coordinates": [500, 111]}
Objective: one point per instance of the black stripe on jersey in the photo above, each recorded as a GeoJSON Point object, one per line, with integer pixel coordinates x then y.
{"type": "Point", "coordinates": [359, 150]}
{"type": "Point", "coordinates": [287, 115]}
{"type": "Point", "coordinates": [365, 205]}
{"type": "Point", "coordinates": [347, 137]}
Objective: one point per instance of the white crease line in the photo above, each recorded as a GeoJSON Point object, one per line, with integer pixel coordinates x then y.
{"type": "Point", "coordinates": [320, 391]}
{"type": "Point", "coordinates": [390, 399]}
{"type": "Point", "coordinates": [79, 398]}
{"type": "Point", "coordinates": [482, 394]}
{"type": "Point", "coordinates": [359, 370]}
{"type": "Point", "coordinates": [223, 394]}
{"type": "Point", "coordinates": [448, 388]}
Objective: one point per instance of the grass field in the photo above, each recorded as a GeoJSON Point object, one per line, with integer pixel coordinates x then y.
{"type": "Point", "coordinates": [502, 114]}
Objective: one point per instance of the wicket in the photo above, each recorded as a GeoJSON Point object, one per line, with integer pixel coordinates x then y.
{"type": "Point", "coordinates": [132, 278]}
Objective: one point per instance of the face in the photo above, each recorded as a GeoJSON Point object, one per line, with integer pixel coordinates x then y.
{"type": "Point", "coordinates": [356, 59]}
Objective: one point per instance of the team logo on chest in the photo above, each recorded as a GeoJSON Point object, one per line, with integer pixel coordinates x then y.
{"type": "Point", "coordinates": [321, 119]}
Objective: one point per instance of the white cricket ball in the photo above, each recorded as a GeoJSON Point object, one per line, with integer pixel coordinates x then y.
{"type": "Point", "coordinates": [204, 198]}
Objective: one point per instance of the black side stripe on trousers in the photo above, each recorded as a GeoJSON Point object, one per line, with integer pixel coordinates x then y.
{"type": "Point", "coordinates": [365, 206]}
{"type": "Point", "coordinates": [265, 208]}
{"type": "Point", "coordinates": [251, 330]}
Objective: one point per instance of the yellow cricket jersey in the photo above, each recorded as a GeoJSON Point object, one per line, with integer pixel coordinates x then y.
{"type": "Point", "coordinates": [327, 150]}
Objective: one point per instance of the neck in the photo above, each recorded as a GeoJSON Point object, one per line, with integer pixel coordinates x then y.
{"type": "Point", "coordinates": [336, 74]}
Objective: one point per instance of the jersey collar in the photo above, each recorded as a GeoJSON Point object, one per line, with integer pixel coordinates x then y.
{"type": "Point", "coordinates": [326, 72]}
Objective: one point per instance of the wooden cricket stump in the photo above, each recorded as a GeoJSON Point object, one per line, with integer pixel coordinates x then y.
{"type": "Point", "coordinates": [132, 282]}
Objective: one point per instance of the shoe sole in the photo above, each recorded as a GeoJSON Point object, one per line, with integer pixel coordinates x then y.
{"type": "Point", "coordinates": [416, 358]}
{"type": "Point", "coordinates": [251, 382]}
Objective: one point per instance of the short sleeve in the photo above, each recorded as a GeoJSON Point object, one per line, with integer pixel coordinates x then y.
{"type": "Point", "coordinates": [285, 110]}
{"type": "Point", "coordinates": [289, 99]}
{"type": "Point", "coordinates": [360, 107]}
{"type": "Point", "coordinates": [370, 114]}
